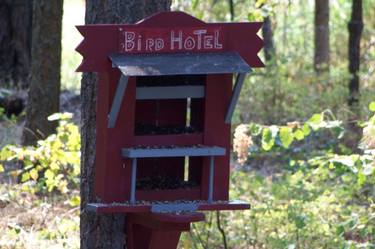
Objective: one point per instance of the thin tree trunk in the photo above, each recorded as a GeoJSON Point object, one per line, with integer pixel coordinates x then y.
{"type": "Point", "coordinates": [231, 9]}
{"type": "Point", "coordinates": [322, 50]}
{"type": "Point", "coordinates": [355, 27]}
{"type": "Point", "coordinates": [44, 91]}
{"type": "Point", "coordinates": [103, 231]}
{"type": "Point", "coordinates": [15, 42]}
{"type": "Point", "coordinates": [269, 47]}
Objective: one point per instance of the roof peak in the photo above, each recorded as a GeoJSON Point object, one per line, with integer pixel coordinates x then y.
{"type": "Point", "coordinates": [163, 18]}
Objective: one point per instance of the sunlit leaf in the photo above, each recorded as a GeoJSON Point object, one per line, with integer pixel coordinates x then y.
{"type": "Point", "coordinates": [286, 136]}
{"type": "Point", "coordinates": [299, 135]}
{"type": "Point", "coordinates": [75, 201]}
{"type": "Point", "coordinates": [25, 177]}
{"type": "Point", "coordinates": [315, 121]}
{"type": "Point", "coordinates": [372, 106]}
{"type": "Point", "coordinates": [267, 139]}
{"type": "Point", "coordinates": [34, 174]}
{"type": "Point", "coordinates": [306, 129]}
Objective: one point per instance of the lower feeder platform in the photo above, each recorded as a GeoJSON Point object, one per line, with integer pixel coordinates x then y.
{"type": "Point", "coordinates": [166, 207]}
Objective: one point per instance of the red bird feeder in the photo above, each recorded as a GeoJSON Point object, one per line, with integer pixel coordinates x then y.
{"type": "Point", "coordinates": [164, 107]}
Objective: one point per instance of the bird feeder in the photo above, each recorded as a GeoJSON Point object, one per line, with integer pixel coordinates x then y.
{"type": "Point", "coordinates": [165, 99]}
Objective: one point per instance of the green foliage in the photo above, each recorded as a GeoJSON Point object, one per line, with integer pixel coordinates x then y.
{"type": "Point", "coordinates": [302, 209]}
{"type": "Point", "coordinates": [52, 165]}
{"type": "Point", "coordinates": [288, 88]}
{"type": "Point", "coordinates": [319, 199]}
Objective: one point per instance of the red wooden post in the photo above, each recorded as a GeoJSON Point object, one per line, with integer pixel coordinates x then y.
{"type": "Point", "coordinates": [165, 94]}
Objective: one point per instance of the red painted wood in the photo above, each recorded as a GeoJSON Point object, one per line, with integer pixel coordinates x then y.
{"type": "Point", "coordinates": [112, 172]}
{"type": "Point", "coordinates": [169, 195]}
{"type": "Point", "coordinates": [163, 140]}
{"type": "Point", "coordinates": [112, 176]}
{"type": "Point", "coordinates": [180, 218]}
{"type": "Point", "coordinates": [217, 133]}
{"type": "Point", "coordinates": [164, 239]}
{"type": "Point", "coordinates": [239, 37]}
{"type": "Point", "coordinates": [102, 106]}
{"type": "Point", "coordinates": [147, 231]}
{"type": "Point", "coordinates": [171, 40]}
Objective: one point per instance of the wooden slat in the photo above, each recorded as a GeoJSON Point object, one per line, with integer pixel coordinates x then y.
{"type": "Point", "coordinates": [117, 101]}
{"type": "Point", "coordinates": [144, 207]}
{"type": "Point", "coordinates": [170, 92]}
{"type": "Point", "coordinates": [173, 152]}
{"type": "Point", "coordinates": [236, 94]}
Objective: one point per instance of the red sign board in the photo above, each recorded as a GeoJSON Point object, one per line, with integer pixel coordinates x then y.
{"type": "Point", "coordinates": [167, 32]}
{"type": "Point", "coordinates": [143, 40]}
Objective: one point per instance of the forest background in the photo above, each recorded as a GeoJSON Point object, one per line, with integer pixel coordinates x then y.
{"type": "Point", "coordinates": [303, 133]}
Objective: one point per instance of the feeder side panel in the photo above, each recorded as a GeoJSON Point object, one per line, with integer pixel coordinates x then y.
{"type": "Point", "coordinates": [118, 170]}
{"type": "Point", "coordinates": [102, 107]}
{"type": "Point", "coordinates": [217, 133]}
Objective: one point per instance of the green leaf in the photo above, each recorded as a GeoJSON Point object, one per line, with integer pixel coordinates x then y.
{"type": "Point", "coordinates": [372, 106]}
{"type": "Point", "coordinates": [49, 174]}
{"type": "Point", "coordinates": [300, 221]}
{"type": "Point", "coordinates": [316, 118]}
{"type": "Point", "coordinates": [286, 136]}
{"type": "Point", "coordinates": [75, 201]}
{"type": "Point", "coordinates": [255, 129]}
{"type": "Point", "coordinates": [1, 168]}
{"type": "Point", "coordinates": [315, 121]}
{"type": "Point", "coordinates": [25, 177]}
{"type": "Point", "coordinates": [306, 130]}
{"type": "Point", "coordinates": [299, 135]}
{"type": "Point", "coordinates": [268, 140]}
{"type": "Point", "coordinates": [34, 174]}
{"type": "Point", "coordinates": [361, 179]}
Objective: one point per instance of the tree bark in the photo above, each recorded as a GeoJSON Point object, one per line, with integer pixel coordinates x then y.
{"type": "Point", "coordinates": [103, 231]}
{"type": "Point", "coordinates": [44, 91]}
{"type": "Point", "coordinates": [269, 47]}
{"type": "Point", "coordinates": [322, 50]}
{"type": "Point", "coordinates": [15, 42]}
{"type": "Point", "coordinates": [355, 27]}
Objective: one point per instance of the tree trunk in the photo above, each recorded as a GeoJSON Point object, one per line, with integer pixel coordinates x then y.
{"type": "Point", "coordinates": [269, 47]}
{"type": "Point", "coordinates": [103, 231]}
{"type": "Point", "coordinates": [321, 53]}
{"type": "Point", "coordinates": [355, 30]}
{"type": "Point", "coordinates": [15, 42]}
{"type": "Point", "coordinates": [44, 91]}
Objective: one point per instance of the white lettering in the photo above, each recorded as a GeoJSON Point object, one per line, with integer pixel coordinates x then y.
{"type": "Point", "coordinates": [129, 41]}
{"type": "Point", "coordinates": [207, 42]}
{"type": "Point", "coordinates": [176, 39]}
{"type": "Point", "coordinates": [139, 46]}
{"type": "Point", "coordinates": [150, 44]}
{"type": "Point", "coordinates": [217, 44]}
{"type": "Point", "coordinates": [159, 44]}
{"type": "Point", "coordinates": [189, 43]}
{"type": "Point", "coordinates": [199, 34]}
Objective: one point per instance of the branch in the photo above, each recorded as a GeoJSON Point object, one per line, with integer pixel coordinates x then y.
{"type": "Point", "coordinates": [221, 229]}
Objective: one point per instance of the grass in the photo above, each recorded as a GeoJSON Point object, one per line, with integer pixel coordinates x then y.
{"type": "Point", "coordinates": [33, 222]}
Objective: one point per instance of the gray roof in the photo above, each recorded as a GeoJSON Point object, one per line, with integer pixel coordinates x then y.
{"type": "Point", "coordinates": [179, 63]}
